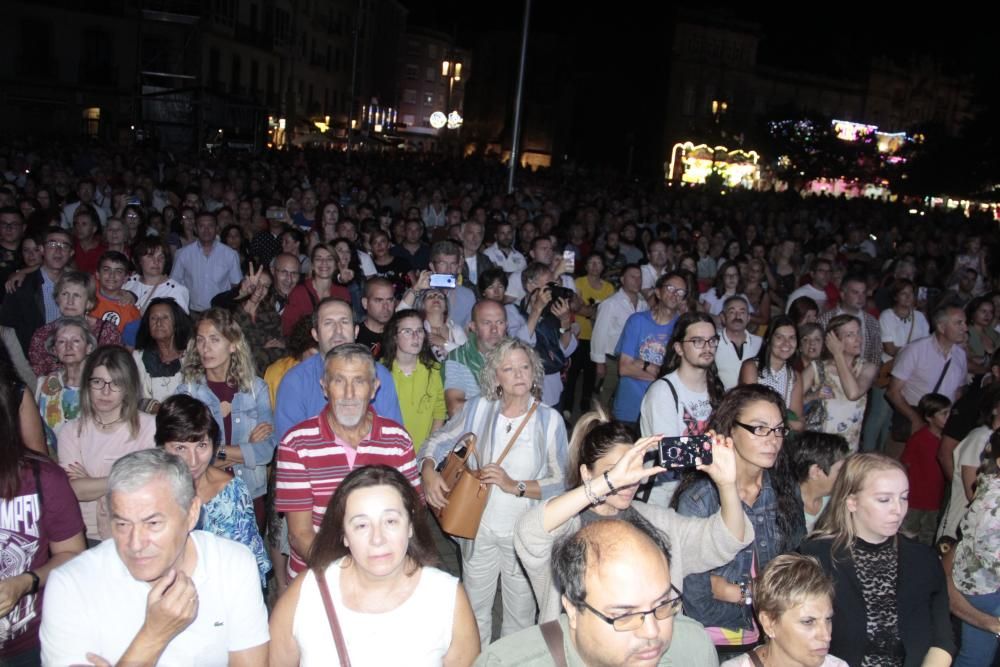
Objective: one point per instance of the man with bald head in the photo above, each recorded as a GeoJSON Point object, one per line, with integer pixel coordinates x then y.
{"type": "Point", "coordinates": [461, 369]}
{"type": "Point", "coordinates": [621, 606]}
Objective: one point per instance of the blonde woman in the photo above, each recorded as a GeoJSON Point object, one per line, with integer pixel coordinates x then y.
{"type": "Point", "coordinates": [218, 370]}
{"type": "Point", "coordinates": [509, 410]}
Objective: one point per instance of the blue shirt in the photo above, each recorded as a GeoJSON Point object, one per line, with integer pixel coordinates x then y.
{"type": "Point", "coordinates": [642, 339]}
{"type": "Point", "coordinates": [52, 312]}
{"type": "Point", "coordinates": [300, 395]}
{"type": "Point", "coordinates": [206, 276]}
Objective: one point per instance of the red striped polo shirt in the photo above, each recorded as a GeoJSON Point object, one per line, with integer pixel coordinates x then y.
{"type": "Point", "coordinates": [312, 464]}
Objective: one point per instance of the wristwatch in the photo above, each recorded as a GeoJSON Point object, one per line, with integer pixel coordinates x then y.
{"type": "Point", "coordinates": [521, 489]}
{"type": "Point", "coordinates": [745, 592]}
{"type": "Point", "coordinates": [34, 582]}
{"type": "Point", "coordinates": [221, 453]}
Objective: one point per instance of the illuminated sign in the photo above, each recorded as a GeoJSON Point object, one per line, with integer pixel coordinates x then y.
{"type": "Point", "coordinates": [692, 163]}
{"type": "Point", "coordinates": [438, 120]}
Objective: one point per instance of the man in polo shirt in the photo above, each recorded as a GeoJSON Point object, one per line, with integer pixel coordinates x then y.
{"type": "Point", "coordinates": [935, 364]}
{"type": "Point", "coordinates": [316, 455]}
{"type": "Point", "coordinates": [207, 267]}
{"type": "Point", "coordinates": [300, 395]}
{"type": "Point", "coordinates": [736, 344]}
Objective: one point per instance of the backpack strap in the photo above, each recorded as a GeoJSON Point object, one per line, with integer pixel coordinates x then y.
{"type": "Point", "coordinates": [553, 634]}
{"type": "Point", "coordinates": [673, 391]}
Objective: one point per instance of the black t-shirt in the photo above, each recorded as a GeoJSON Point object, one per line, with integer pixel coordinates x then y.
{"type": "Point", "coordinates": [397, 272]}
{"type": "Point", "coordinates": [370, 339]}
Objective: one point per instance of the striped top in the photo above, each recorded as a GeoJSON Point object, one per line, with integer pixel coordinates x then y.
{"type": "Point", "coordinates": [312, 463]}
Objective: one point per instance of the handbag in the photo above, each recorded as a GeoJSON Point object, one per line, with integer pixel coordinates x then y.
{"type": "Point", "coordinates": [468, 496]}
{"type": "Point", "coordinates": [331, 616]}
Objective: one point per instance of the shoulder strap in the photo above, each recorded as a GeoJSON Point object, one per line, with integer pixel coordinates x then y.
{"type": "Point", "coordinates": [673, 390]}
{"type": "Point", "coordinates": [755, 659]}
{"type": "Point", "coordinates": [553, 634]}
{"type": "Point", "coordinates": [913, 321]}
{"type": "Point", "coordinates": [513, 439]}
{"type": "Point", "coordinates": [331, 615]}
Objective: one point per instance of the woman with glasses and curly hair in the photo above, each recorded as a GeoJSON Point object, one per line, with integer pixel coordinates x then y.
{"type": "Point", "coordinates": [509, 412]}
{"type": "Point", "coordinates": [753, 416]}
{"type": "Point", "coordinates": [110, 426]}
{"type": "Point", "coordinates": [218, 370]}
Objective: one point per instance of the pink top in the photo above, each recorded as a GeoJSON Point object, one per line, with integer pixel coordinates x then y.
{"type": "Point", "coordinates": [96, 453]}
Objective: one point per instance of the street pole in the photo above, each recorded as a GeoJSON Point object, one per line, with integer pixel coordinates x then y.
{"type": "Point", "coordinates": [516, 139]}
{"type": "Point", "coordinates": [354, 78]}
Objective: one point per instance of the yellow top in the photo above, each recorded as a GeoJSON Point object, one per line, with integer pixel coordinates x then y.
{"type": "Point", "coordinates": [588, 293]}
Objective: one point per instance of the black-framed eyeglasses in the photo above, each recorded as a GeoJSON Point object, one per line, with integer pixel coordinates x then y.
{"type": "Point", "coordinates": [762, 431]}
{"type": "Point", "coordinates": [699, 343]}
{"type": "Point", "coordinates": [98, 384]}
{"type": "Point", "coordinates": [634, 620]}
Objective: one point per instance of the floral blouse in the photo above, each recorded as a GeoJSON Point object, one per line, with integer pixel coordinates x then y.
{"type": "Point", "coordinates": [230, 514]}
{"type": "Point", "coordinates": [977, 556]}
{"type": "Point", "coordinates": [57, 402]}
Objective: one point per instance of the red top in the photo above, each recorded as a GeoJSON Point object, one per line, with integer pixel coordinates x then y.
{"type": "Point", "coordinates": [303, 301]}
{"type": "Point", "coordinates": [922, 468]}
{"type": "Point", "coordinates": [86, 260]}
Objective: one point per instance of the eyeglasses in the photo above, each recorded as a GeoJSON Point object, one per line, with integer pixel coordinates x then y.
{"type": "Point", "coordinates": [679, 291]}
{"type": "Point", "coordinates": [412, 333]}
{"type": "Point", "coordinates": [98, 384]}
{"type": "Point", "coordinates": [634, 620]}
{"type": "Point", "coordinates": [699, 343]}
{"type": "Point", "coordinates": [762, 431]}
{"type": "Point", "coordinates": [58, 245]}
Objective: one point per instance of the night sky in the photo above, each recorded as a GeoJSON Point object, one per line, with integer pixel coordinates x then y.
{"type": "Point", "coordinates": [625, 42]}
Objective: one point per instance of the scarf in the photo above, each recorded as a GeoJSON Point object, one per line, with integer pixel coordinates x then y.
{"type": "Point", "coordinates": [469, 355]}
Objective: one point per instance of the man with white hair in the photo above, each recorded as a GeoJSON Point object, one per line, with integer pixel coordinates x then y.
{"type": "Point", "coordinates": [315, 456]}
{"type": "Point", "coordinates": [159, 592]}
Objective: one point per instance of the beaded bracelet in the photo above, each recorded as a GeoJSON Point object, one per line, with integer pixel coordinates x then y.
{"type": "Point", "coordinates": [594, 500]}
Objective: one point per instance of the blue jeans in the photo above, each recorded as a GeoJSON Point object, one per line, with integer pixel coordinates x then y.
{"type": "Point", "coordinates": [979, 646]}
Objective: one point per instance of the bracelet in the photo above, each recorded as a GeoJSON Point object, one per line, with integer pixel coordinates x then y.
{"type": "Point", "coordinates": [607, 480]}
{"type": "Point", "coordinates": [594, 500]}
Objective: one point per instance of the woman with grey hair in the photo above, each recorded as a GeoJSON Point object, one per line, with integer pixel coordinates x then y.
{"type": "Point", "coordinates": [109, 427]}
{"type": "Point", "coordinates": [58, 393]}
{"type": "Point", "coordinates": [507, 416]}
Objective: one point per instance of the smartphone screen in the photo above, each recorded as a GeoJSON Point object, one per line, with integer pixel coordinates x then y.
{"type": "Point", "coordinates": [569, 261]}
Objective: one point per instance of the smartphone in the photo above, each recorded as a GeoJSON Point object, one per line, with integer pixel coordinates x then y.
{"type": "Point", "coordinates": [442, 280]}
{"type": "Point", "coordinates": [569, 261]}
{"type": "Point", "coordinates": [275, 214]}
{"type": "Point", "coordinates": [922, 294]}
{"type": "Point", "coordinates": [133, 201]}
{"type": "Point", "coordinates": [681, 452]}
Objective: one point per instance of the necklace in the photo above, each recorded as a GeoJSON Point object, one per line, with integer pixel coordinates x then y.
{"type": "Point", "coordinates": [110, 423]}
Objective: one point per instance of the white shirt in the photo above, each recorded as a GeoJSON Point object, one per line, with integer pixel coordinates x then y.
{"type": "Point", "coordinates": [896, 331]}
{"type": "Point", "coordinates": [367, 265]}
{"type": "Point", "coordinates": [650, 275]}
{"type": "Point", "coordinates": [817, 295]}
{"type": "Point", "coordinates": [70, 209]}
{"type": "Point", "coordinates": [473, 264]}
{"type": "Point", "coordinates": [93, 605]}
{"type": "Point", "coordinates": [728, 362]}
{"type": "Point", "coordinates": [966, 454]}
{"type": "Point", "coordinates": [608, 325]}
{"type": "Point", "coordinates": [511, 263]}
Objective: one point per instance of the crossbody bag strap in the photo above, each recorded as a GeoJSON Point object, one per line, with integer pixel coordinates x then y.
{"type": "Point", "coordinates": [755, 659]}
{"type": "Point", "coordinates": [913, 322]}
{"type": "Point", "coordinates": [944, 371]}
{"type": "Point", "coordinates": [331, 616]}
{"type": "Point", "coordinates": [553, 634]}
{"type": "Point", "coordinates": [517, 433]}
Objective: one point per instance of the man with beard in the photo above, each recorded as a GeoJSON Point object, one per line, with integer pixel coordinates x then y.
{"type": "Point", "coordinates": [681, 401]}
{"type": "Point", "coordinates": [379, 303]}
{"type": "Point", "coordinates": [736, 344]}
{"type": "Point", "coordinates": [299, 395]}
{"type": "Point", "coordinates": [503, 253]}
{"type": "Point", "coordinates": [316, 455]}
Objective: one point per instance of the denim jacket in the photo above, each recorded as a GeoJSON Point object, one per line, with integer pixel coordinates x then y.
{"type": "Point", "coordinates": [248, 410]}
{"type": "Point", "coordinates": [702, 500]}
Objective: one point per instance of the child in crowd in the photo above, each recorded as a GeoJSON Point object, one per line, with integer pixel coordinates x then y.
{"type": "Point", "coordinates": [114, 304]}
{"type": "Point", "coordinates": [923, 470]}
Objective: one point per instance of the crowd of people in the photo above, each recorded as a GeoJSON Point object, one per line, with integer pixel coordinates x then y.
{"type": "Point", "coordinates": [228, 387]}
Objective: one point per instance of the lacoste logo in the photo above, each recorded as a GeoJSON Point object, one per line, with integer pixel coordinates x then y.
{"type": "Point", "coordinates": [219, 624]}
